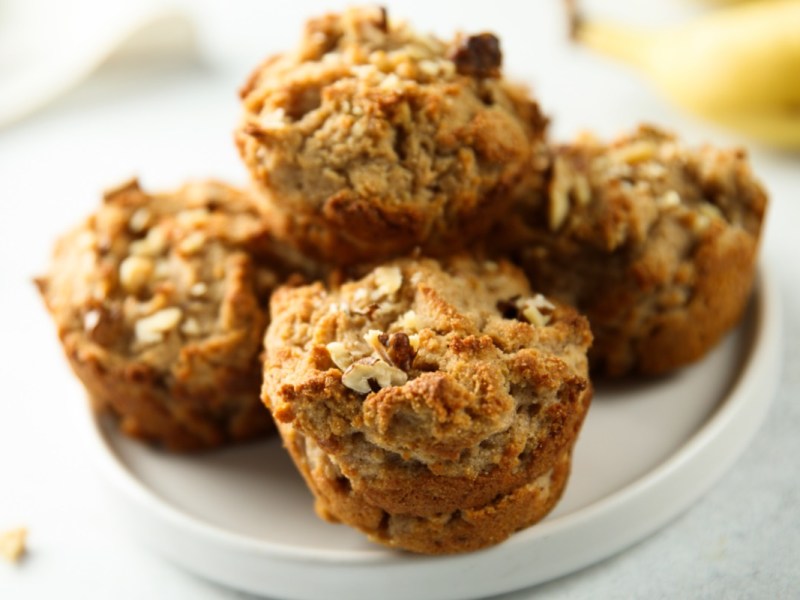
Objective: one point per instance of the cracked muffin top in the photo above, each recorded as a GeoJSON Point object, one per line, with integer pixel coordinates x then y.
{"type": "Point", "coordinates": [178, 282]}
{"type": "Point", "coordinates": [610, 196]}
{"type": "Point", "coordinates": [160, 302]}
{"type": "Point", "coordinates": [370, 139]}
{"type": "Point", "coordinates": [655, 242]}
{"type": "Point", "coordinates": [147, 274]}
{"type": "Point", "coordinates": [454, 369]}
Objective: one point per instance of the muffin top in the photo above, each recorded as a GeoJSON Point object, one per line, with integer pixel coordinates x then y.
{"type": "Point", "coordinates": [455, 368]}
{"type": "Point", "coordinates": [167, 280]}
{"type": "Point", "coordinates": [655, 242]}
{"type": "Point", "coordinates": [611, 196]}
{"type": "Point", "coordinates": [393, 137]}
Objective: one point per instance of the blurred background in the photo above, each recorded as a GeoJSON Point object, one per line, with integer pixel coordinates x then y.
{"type": "Point", "coordinates": [93, 92]}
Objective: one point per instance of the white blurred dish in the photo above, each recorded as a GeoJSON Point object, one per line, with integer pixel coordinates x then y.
{"type": "Point", "coordinates": [243, 518]}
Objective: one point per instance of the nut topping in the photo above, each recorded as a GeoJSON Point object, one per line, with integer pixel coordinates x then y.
{"type": "Point", "coordinates": [371, 375]}
{"type": "Point", "coordinates": [153, 244]}
{"type": "Point", "coordinates": [388, 280]}
{"type": "Point", "coordinates": [192, 243]}
{"type": "Point", "coordinates": [395, 349]}
{"type": "Point", "coordinates": [191, 327]}
{"type": "Point", "coordinates": [400, 351]}
{"type": "Point", "coordinates": [134, 272]}
{"type": "Point", "coordinates": [140, 220]}
{"type": "Point", "coordinates": [198, 289]}
{"type": "Point", "coordinates": [377, 341]}
{"type": "Point", "coordinates": [339, 355]}
{"type": "Point", "coordinates": [533, 310]}
{"type": "Point", "coordinates": [478, 56]}
{"type": "Point", "coordinates": [150, 330]}
{"type": "Point", "coordinates": [669, 199]}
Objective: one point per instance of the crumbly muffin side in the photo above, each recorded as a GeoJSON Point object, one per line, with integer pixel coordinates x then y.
{"type": "Point", "coordinates": [655, 242]}
{"type": "Point", "coordinates": [161, 302]}
{"type": "Point", "coordinates": [370, 139]}
{"type": "Point", "coordinates": [425, 390]}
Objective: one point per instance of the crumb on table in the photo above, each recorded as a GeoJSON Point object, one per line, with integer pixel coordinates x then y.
{"type": "Point", "coordinates": [12, 544]}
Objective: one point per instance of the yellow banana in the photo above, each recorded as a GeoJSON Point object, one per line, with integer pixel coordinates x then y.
{"type": "Point", "coordinates": [738, 66]}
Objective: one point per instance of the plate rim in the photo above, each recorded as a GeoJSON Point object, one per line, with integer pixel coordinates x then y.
{"type": "Point", "coordinates": [763, 356]}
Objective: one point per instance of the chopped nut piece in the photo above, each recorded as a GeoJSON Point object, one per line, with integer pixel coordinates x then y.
{"type": "Point", "coordinates": [190, 327]}
{"type": "Point", "coordinates": [372, 374]}
{"type": "Point", "coordinates": [558, 207]}
{"type": "Point", "coordinates": [401, 352]}
{"type": "Point", "coordinates": [479, 56]}
{"type": "Point", "coordinates": [103, 324]}
{"type": "Point", "coordinates": [390, 82]}
{"type": "Point", "coordinates": [710, 211]}
{"type": "Point", "coordinates": [192, 243]}
{"type": "Point", "coordinates": [377, 341]}
{"type": "Point", "coordinates": [531, 310]}
{"type": "Point", "coordinates": [198, 289]}
{"type": "Point", "coordinates": [150, 330]}
{"type": "Point", "coordinates": [429, 68]}
{"type": "Point", "coordinates": [669, 199]}
{"type": "Point", "coordinates": [388, 280]}
{"type": "Point", "coordinates": [582, 190]}
{"type": "Point", "coordinates": [634, 153]}
{"type": "Point", "coordinates": [134, 272]}
{"type": "Point", "coordinates": [12, 544]}
{"type": "Point", "coordinates": [272, 120]}
{"type": "Point", "coordinates": [140, 220]}
{"type": "Point", "coordinates": [339, 355]}
{"type": "Point", "coordinates": [91, 319]}
{"type": "Point", "coordinates": [193, 218]}
{"type": "Point", "coordinates": [153, 244]}
{"type": "Point", "coordinates": [394, 349]}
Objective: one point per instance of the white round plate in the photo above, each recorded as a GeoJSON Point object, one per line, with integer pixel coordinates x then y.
{"type": "Point", "coordinates": [242, 517]}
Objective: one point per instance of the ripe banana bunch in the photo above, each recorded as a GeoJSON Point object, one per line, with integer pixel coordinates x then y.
{"type": "Point", "coordinates": [738, 66]}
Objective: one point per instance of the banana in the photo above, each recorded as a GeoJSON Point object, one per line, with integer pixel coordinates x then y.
{"type": "Point", "coordinates": [738, 66]}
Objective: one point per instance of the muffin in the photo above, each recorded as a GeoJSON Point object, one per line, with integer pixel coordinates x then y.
{"type": "Point", "coordinates": [433, 406]}
{"type": "Point", "coordinates": [370, 139]}
{"type": "Point", "coordinates": [160, 302]}
{"type": "Point", "coordinates": [654, 242]}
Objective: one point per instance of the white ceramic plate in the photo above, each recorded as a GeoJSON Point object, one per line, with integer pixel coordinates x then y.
{"type": "Point", "coordinates": [243, 517]}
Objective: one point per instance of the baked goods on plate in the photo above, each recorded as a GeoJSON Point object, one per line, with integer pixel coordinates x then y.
{"type": "Point", "coordinates": [370, 139]}
{"type": "Point", "coordinates": [160, 302]}
{"type": "Point", "coordinates": [432, 405]}
{"type": "Point", "coordinates": [653, 241]}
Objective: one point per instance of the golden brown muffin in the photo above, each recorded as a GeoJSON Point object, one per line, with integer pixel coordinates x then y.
{"type": "Point", "coordinates": [655, 243]}
{"type": "Point", "coordinates": [370, 139]}
{"type": "Point", "coordinates": [432, 406]}
{"type": "Point", "coordinates": [161, 304]}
